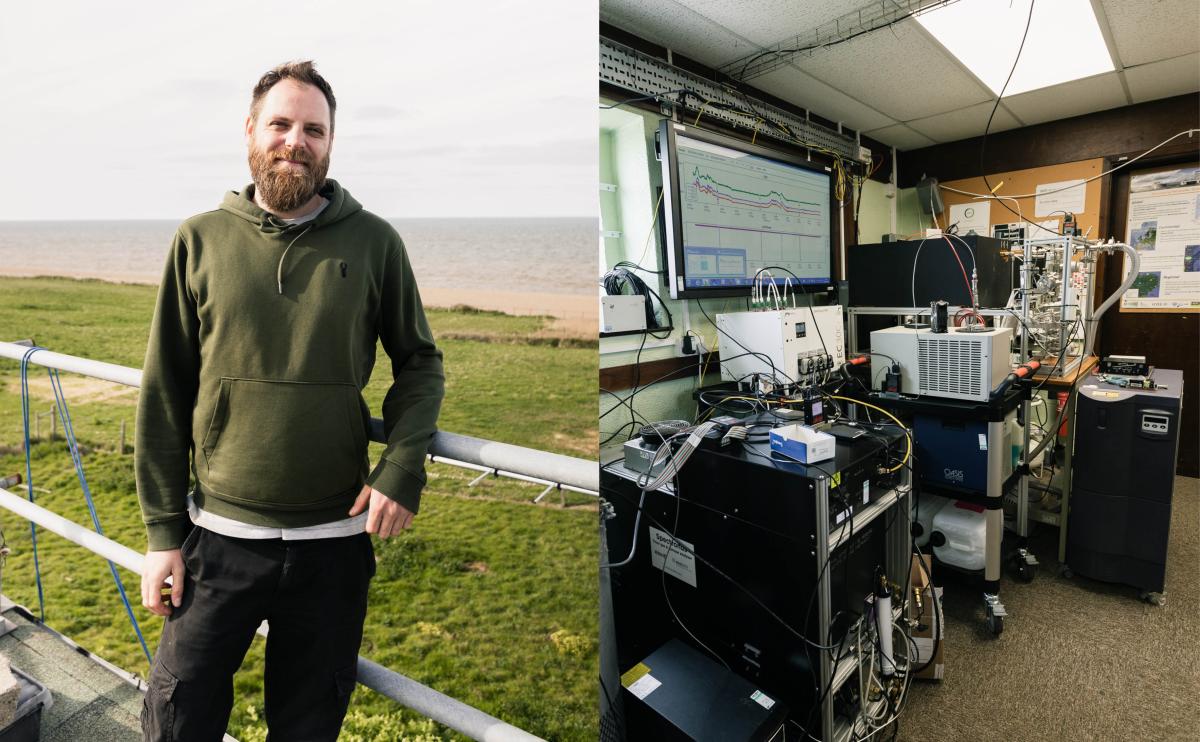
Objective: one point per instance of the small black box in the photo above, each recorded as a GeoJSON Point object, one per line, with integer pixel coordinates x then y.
{"type": "Point", "coordinates": [1125, 365]}
{"type": "Point", "coordinates": [677, 693]}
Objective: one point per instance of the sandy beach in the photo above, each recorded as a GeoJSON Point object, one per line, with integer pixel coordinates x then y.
{"type": "Point", "coordinates": [574, 316]}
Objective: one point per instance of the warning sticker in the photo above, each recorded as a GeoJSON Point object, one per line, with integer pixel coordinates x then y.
{"type": "Point", "coordinates": [762, 699]}
{"type": "Point", "coordinates": [837, 479]}
{"type": "Point", "coordinates": [676, 557]}
{"type": "Point", "coordinates": [644, 686]}
{"type": "Point", "coordinates": [632, 675]}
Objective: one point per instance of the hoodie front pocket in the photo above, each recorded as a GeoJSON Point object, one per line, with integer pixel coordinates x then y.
{"type": "Point", "coordinates": [284, 444]}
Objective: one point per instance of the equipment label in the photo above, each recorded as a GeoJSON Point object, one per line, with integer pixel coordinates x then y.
{"type": "Point", "coordinates": [866, 491]}
{"type": "Point", "coordinates": [983, 441]}
{"type": "Point", "coordinates": [682, 562]}
{"type": "Point", "coordinates": [762, 699]}
{"type": "Point", "coordinates": [639, 681]}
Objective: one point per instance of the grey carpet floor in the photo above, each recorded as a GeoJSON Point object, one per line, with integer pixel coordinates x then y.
{"type": "Point", "coordinates": [1078, 659]}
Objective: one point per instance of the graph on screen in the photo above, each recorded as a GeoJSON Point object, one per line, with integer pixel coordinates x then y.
{"type": "Point", "coordinates": [742, 213]}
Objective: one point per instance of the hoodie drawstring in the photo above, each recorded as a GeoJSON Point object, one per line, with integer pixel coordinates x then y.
{"type": "Point", "coordinates": [279, 270]}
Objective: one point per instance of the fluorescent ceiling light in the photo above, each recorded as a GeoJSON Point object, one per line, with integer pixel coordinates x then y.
{"type": "Point", "coordinates": [1064, 41]}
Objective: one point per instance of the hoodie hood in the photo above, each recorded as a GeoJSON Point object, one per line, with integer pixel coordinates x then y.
{"type": "Point", "coordinates": [341, 205]}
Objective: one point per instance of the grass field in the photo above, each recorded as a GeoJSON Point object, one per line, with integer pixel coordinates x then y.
{"type": "Point", "coordinates": [489, 598]}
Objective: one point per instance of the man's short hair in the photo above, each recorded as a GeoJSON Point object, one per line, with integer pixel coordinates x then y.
{"type": "Point", "coordinates": [302, 72]}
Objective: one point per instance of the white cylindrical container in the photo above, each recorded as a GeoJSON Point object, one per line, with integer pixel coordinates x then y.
{"type": "Point", "coordinates": [958, 536]}
{"type": "Point", "coordinates": [883, 620]}
{"type": "Point", "coordinates": [926, 506]}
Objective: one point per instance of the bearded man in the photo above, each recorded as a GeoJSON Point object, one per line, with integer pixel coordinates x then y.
{"type": "Point", "coordinates": [263, 338]}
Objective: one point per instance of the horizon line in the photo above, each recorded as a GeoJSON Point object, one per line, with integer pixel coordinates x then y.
{"type": "Point", "coordinates": [178, 219]}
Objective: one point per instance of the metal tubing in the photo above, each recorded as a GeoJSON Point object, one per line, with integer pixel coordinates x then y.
{"type": "Point", "coordinates": [87, 367]}
{"type": "Point", "coordinates": [550, 467]}
{"type": "Point", "coordinates": [994, 518]}
{"type": "Point", "coordinates": [438, 706]}
{"type": "Point", "coordinates": [426, 701]}
{"type": "Point", "coordinates": [1064, 330]}
{"type": "Point", "coordinates": [71, 531]}
{"type": "Point", "coordinates": [824, 600]}
{"type": "Point", "coordinates": [1026, 407]}
{"type": "Point", "coordinates": [528, 462]}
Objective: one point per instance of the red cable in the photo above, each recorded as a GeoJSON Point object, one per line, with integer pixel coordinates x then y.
{"type": "Point", "coordinates": [961, 267]}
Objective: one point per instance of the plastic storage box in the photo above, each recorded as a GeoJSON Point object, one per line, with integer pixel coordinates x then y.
{"type": "Point", "coordinates": [33, 697]}
{"type": "Point", "coordinates": [927, 506]}
{"type": "Point", "coordinates": [958, 536]}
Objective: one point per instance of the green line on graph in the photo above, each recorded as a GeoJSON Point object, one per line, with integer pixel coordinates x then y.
{"type": "Point", "coordinates": [705, 176]}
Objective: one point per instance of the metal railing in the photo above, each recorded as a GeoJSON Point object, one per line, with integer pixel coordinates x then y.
{"type": "Point", "coordinates": [500, 459]}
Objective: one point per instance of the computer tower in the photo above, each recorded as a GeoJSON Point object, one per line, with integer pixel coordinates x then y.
{"type": "Point", "coordinates": [1123, 476]}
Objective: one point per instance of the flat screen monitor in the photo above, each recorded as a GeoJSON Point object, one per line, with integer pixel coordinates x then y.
{"type": "Point", "coordinates": [733, 209]}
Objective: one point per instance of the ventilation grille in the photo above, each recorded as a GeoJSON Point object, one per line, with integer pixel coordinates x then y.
{"type": "Point", "coordinates": [952, 367]}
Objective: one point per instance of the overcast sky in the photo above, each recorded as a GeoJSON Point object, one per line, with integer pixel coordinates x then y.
{"type": "Point", "coordinates": [122, 110]}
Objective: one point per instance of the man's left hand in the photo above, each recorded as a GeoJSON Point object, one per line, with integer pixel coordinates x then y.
{"type": "Point", "coordinates": [386, 516]}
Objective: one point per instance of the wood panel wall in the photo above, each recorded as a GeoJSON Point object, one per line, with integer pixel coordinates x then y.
{"type": "Point", "coordinates": [1117, 136]}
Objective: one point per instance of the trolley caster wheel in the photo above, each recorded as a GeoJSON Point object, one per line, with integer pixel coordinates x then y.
{"type": "Point", "coordinates": [1066, 573]}
{"type": "Point", "coordinates": [1154, 598]}
{"type": "Point", "coordinates": [995, 624]}
{"type": "Point", "coordinates": [1025, 571]}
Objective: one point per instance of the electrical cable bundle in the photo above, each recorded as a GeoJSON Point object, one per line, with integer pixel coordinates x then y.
{"type": "Point", "coordinates": [676, 462]}
{"type": "Point", "coordinates": [896, 669]}
{"type": "Point", "coordinates": [616, 280]}
{"type": "Point", "coordinates": [678, 458]}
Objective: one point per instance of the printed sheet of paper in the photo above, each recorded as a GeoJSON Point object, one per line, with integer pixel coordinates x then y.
{"type": "Point", "coordinates": [1065, 196]}
{"type": "Point", "coordinates": [1164, 228]}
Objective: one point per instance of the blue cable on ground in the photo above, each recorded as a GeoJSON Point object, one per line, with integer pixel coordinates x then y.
{"type": "Point", "coordinates": [37, 569]}
{"type": "Point", "coordinates": [69, 432]}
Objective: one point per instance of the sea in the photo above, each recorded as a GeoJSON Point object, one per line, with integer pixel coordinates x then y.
{"type": "Point", "coordinates": [538, 255]}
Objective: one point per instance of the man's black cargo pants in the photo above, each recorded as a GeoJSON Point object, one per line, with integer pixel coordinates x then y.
{"type": "Point", "coordinates": [313, 594]}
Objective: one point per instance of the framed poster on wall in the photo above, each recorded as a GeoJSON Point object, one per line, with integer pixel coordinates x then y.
{"type": "Point", "coordinates": [1164, 227]}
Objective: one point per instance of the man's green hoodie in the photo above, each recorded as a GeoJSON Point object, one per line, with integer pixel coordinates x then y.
{"type": "Point", "coordinates": [263, 338]}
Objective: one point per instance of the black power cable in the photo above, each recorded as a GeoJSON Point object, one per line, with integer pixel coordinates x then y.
{"type": "Point", "coordinates": [992, 115]}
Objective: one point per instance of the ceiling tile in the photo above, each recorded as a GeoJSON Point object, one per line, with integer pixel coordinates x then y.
{"type": "Point", "coordinates": [671, 24]}
{"type": "Point", "coordinates": [900, 70]}
{"type": "Point", "coordinates": [1164, 79]}
{"type": "Point", "coordinates": [803, 90]}
{"type": "Point", "coordinates": [1096, 93]}
{"type": "Point", "coordinates": [963, 123]}
{"type": "Point", "coordinates": [1150, 30]}
{"type": "Point", "coordinates": [901, 137]}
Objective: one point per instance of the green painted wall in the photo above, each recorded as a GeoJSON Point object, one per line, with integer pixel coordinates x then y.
{"type": "Point", "coordinates": [627, 161]}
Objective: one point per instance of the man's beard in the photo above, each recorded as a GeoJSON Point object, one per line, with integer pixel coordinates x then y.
{"type": "Point", "coordinates": [285, 188]}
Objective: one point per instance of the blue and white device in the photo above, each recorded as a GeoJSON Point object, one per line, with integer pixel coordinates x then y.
{"type": "Point", "coordinates": [802, 443]}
